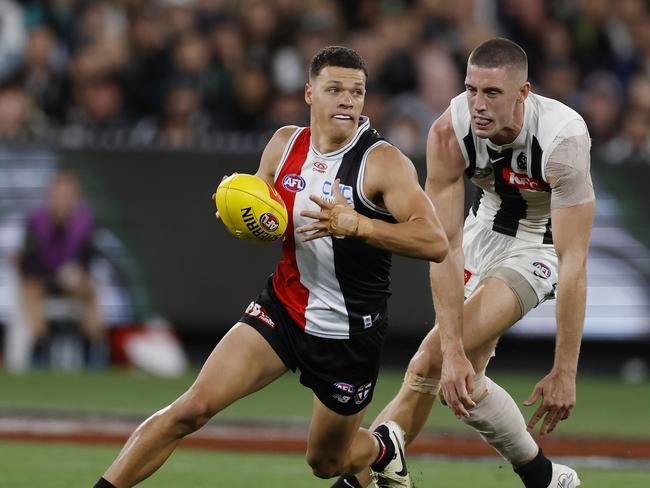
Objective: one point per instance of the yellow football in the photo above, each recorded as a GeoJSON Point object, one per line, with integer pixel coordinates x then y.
{"type": "Point", "coordinates": [251, 209]}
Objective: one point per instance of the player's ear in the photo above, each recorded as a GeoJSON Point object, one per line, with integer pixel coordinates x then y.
{"type": "Point", "coordinates": [524, 90]}
{"type": "Point", "coordinates": [308, 93]}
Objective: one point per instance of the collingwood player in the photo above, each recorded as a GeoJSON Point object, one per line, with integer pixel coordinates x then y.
{"type": "Point", "coordinates": [528, 156]}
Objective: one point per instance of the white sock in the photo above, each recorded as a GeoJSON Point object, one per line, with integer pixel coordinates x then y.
{"type": "Point", "coordinates": [500, 423]}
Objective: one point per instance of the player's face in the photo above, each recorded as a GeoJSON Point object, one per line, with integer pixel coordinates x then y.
{"type": "Point", "coordinates": [336, 98]}
{"type": "Point", "coordinates": [493, 95]}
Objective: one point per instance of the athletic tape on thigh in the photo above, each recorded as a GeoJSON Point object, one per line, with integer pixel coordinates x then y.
{"type": "Point", "coordinates": [523, 290]}
{"type": "Point", "coordinates": [418, 383]}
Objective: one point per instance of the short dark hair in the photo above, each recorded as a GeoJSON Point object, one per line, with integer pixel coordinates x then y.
{"type": "Point", "coordinates": [340, 56]}
{"type": "Point", "coordinates": [499, 53]}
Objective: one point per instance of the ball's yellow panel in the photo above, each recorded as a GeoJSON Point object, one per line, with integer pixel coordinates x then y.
{"type": "Point", "coordinates": [251, 209]}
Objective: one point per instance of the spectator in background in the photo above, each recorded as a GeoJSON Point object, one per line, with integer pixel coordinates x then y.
{"type": "Point", "coordinates": [287, 109]}
{"type": "Point", "coordinates": [55, 260]}
{"type": "Point", "coordinates": [42, 71]}
{"type": "Point", "coordinates": [99, 104]}
{"type": "Point", "coordinates": [240, 52]}
{"type": "Point", "coordinates": [641, 34]}
{"type": "Point", "coordinates": [560, 81]}
{"type": "Point", "coordinates": [13, 37]}
{"type": "Point", "coordinates": [20, 118]}
{"type": "Point", "coordinates": [601, 106]}
{"type": "Point", "coordinates": [639, 92]}
{"type": "Point", "coordinates": [252, 95]}
{"type": "Point", "coordinates": [632, 144]}
{"type": "Point", "coordinates": [146, 65]}
{"type": "Point", "coordinates": [182, 121]}
{"type": "Point", "coordinates": [177, 17]}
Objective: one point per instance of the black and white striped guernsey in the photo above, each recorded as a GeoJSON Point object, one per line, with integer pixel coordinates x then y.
{"type": "Point", "coordinates": [513, 196]}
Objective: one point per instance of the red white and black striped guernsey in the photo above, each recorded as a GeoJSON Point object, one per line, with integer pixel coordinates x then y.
{"type": "Point", "coordinates": [513, 195]}
{"type": "Point", "coordinates": [332, 288]}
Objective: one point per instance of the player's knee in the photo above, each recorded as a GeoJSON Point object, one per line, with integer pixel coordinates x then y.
{"type": "Point", "coordinates": [190, 413]}
{"type": "Point", "coordinates": [324, 466]}
{"type": "Point", "coordinates": [427, 363]}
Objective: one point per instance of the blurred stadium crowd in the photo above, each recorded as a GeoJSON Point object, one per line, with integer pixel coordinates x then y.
{"type": "Point", "coordinates": [178, 73]}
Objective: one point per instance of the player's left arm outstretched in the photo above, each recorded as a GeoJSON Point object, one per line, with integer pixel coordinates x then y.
{"type": "Point", "coordinates": [572, 213]}
{"type": "Point", "coordinates": [390, 181]}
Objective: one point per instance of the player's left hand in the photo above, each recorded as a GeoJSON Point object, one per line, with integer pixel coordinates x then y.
{"type": "Point", "coordinates": [336, 218]}
{"type": "Point", "coordinates": [558, 392]}
{"type": "Point", "coordinates": [457, 383]}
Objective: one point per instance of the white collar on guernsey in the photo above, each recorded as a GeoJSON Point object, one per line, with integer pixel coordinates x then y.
{"type": "Point", "coordinates": [364, 124]}
{"type": "Point", "coordinates": [520, 140]}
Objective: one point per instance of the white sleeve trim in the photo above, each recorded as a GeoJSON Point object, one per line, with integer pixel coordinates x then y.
{"type": "Point", "coordinates": [287, 150]}
{"type": "Point", "coordinates": [457, 121]}
{"type": "Point", "coordinates": [362, 172]}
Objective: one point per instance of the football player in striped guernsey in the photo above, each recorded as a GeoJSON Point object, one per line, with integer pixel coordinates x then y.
{"type": "Point", "coordinates": [528, 156]}
{"type": "Point", "coordinates": [353, 199]}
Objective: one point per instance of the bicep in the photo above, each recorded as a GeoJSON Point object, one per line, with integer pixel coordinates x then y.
{"type": "Point", "coordinates": [402, 194]}
{"type": "Point", "coordinates": [445, 186]}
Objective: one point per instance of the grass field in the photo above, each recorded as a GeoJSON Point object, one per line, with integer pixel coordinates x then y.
{"type": "Point", "coordinates": [26, 465]}
{"type": "Point", "coordinates": [605, 407]}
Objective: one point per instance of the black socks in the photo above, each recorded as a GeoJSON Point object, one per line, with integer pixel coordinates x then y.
{"type": "Point", "coordinates": [347, 481]}
{"type": "Point", "coordinates": [537, 473]}
{"type": "Point", "coordinates": [386, 448]}
{"type": "Point", "coordinates": [102, 483]}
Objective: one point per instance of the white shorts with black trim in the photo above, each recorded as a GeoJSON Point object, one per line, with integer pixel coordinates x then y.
{"type": "Point", "coordinates": [486, 251]}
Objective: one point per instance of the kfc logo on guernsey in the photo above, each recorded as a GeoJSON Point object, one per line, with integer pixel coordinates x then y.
{"type": "Point", "coordinates": [522, 181]}
{"type": "Point", "coordinates": [293, 183]}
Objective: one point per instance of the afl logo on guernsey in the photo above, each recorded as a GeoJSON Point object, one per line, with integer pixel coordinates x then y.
{"type": "Point", "coordinates": [293, 182]}
{"type": "Point", "coordinates": [269, 222]}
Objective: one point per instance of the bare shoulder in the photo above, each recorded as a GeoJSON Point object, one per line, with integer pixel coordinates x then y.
{"type": "Point", "coordinates": [386, 156]}
{"type": "Point", "coordinates": [443, 150]}
{"type": "Point", "coordinates": [273, 152]}
{"type": "Point", "coordinates": [387, 168]}
{"type": "Point", "coordinates": [281, 137]}
{"type": "Point", "coordinates": [387, 165]}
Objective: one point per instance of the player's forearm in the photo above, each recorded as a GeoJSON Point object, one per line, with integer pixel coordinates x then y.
{"type": "Point", "coordinates": [447, 288]}
{"type": "Point", "coordinates": [570, 315]}
{"type": "Point", "coordinates": [417, 238]}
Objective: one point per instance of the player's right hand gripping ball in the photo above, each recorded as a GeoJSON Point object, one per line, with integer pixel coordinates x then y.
{"type": "Point", "coordinates": [251, 209]}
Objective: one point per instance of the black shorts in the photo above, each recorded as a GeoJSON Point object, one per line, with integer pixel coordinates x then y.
{"type": "Point", "coordinates": [342, 373]}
